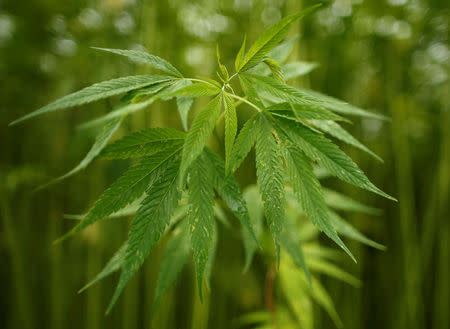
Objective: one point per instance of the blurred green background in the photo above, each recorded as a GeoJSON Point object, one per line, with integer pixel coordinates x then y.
{"type": "Point", "coordinates": [391, 56]}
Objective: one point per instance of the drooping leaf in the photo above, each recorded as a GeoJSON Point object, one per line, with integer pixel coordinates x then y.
{"type": "Point", "coordinates": [303, 112]}
{"type": "Point", "coordinates": [269, 172]}
{"type": "Point", "coordinates": [335, 130]}
{"type": "Point", "coordinates": [240, 55]}
{"type": "Point", "coordinates": [269, 39]}
{"type": "Point", "coordinates": [275, 68]}
{"type": "Point", "coordinates": [130, 186]}
{"type": "Point", "coordinates": [340, 201]}
{"type": "Point", "coordinates": [351, 232]}
{"type": "Point", "coordinates": [114, 264]}
{"type": "Point", "coordinates": [308, 191]}
{"type": "Point", "coordinates": [201, 215]}
{"type": "Point", "coordinates": [150, 222]}
{"type": "Point", "coordinates": [177, 253]}
{"type": "Point", "coordinates": [143, 143]}
{"type": "Point", "coordinates": [243, 143]}
{"type": "Point", "coordinates": [230, 127]}
{"type": "Point", "coordinates": [197, 136]}
{"type": "Point", "coordinates": [145, 58]}
{"type": "Point", "coordinates": [321, 296]}
{"type": "Point", "coordinates": [228, 189]}
{"type": "Point", "coordinates": [96, 92]}
{"type": "Point", "coordinates": [282, 51]}
{"type": "Point", "coordinates": [256, 214]}
{"type": "Point", "coordinates": [105, 134]}
{"type": "Point", "coordinates": [328, 155]}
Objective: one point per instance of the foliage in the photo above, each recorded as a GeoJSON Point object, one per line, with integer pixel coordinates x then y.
{"type": "Point", "coordinates": [177, 171]}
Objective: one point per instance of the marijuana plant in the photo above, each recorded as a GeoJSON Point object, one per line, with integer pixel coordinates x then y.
{"type": "Point", "coordinates": [172, 188]}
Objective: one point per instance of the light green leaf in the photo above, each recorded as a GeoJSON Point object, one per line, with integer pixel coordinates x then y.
{"type": "Point", "coordinates": [143, 143]}
{"type": "Point", "coordinates": [349, 231]}
{"type": "Point", "coordinates": [105, 134]}
{"type": "Point", "coordinates": [328, 155]}
{"type": "Point", "coordinates": [322, 266]}
{"type": "Point", "coordinates": [114, 264]}
{"type": "Point", "coordinates": [269, 172]}
{"type": "Point", "coordinates": [150, 222]}
{"type": "Point", "coordinates": [211, 258]}
{"type": "Point", "coordinates": [307, 188]}
{"type": "Point", "coordinates": [184, 105]}
{"type": "Point", "coordinates": [249, 90]}
{"type": "Point", "coordinates": [321, 297]}
{"type": "Point", "coordinates": [303, 112]}
{"type": "Point", "coordinates": [130, 186]}
{"type": "Point", "coordinates": [201, 215]}
{"type": "Point", "coordinates": [296, 69]}
{"type": "Point", "coordinates": [240, 55]}
{"type": "Point", "coordinates": [256, 214]}
{"type": "Point", "coordinates": [340, 201]}
{"type": "Point", "coordinates": [228, 189]}
{"type": "Point", "coordinates": [335, 130]}
{"type": "Point", "coordinates": [243, 143]}
{"type": "Point", "coordinates": [340, 106]}
{"type": "Point", "coordinates": [96, 92]}
{"type": "Point", "coordinates": [176, 255]}
{"type": "Point", "coordinates": [269, 39]}
{"type": "Point", "coordinates": [282, 51]}
{"type": "Point", "coordinates": [197, 89]}
{"type": "Point", "coordinates": [275, 68]}
{"type": "Point", "coordinates": [146, 58]}
{"type": "Point", "coordinates": [292, 244]}
{"type": "Point", "coordinates": [197, 136]}
{"type": "Point", "coordinates": [230, 127]}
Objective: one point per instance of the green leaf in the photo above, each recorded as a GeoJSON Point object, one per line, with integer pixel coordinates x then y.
{"type": "Point", "coordinates": [340, 106]}
{"type": "Point", "coordinates": [211, 258]}
{"type": "Point", "coordinates": [143, 143]}
{"type": "Point", "coordinates": [176, 255]}
{"type": "Point", "coordinates": [145, 58]}
{"type": "Point", "coordinates": [307, 188]}
{"type": "Point", "coordinates": [269, 39]}
{"type": "Point", "coordinates": [256, 214]}
{"type": "Point", "coordinates": [130, 186]}
{"type": "Point", "coordinates": [282, 51]}
{"type": "Point", "coordinates": [275, 68]}
{"type": "Point", "coordinates": [321, 296]}
{"type": "Point", "coordinates": [201, 129]}
{"type": "Point", "coordinates": [269, 172]}
{"type": "Point", "coordinates": [292, 244]}
{"type": "Point", "coordinates": [296, 69]}
{"type": "Point", "coordinates": [349, 231]}
{"type": "Point", "coordinates": [243, 143]}
{"type": "Point", "coordinates": [340, 201]}
{"type": "Point", "coordinates": [230, 127]}
{"type": "Point", "coordinates": [197, 89]}
{"type": "Point", "coordinates": [250, 91]}
{"type": "Point", "coordinates": [150, 222]}
{"type": "Point", "coordinates": [105, 134]}
{"type": "Point", "coordinates": [335, 130]}
{"type": "Point", "coordinates": [223, 68]}
{"type": "Point", "coordinates": [96, 92]}
{"type": "Point", "coordinates": [228, 189]}
{"type": "Point", "coordinates": [114, 264]}
{"type": "Point", "coordinates": [322, 266]}
{"type": "Point", "coordinates": [328, 155]}
{"type": "Point", "coordinates": [201, 215]}
{"type": "Point", "coordinates": [240, 55]}
{"type": "Point", "coordinates": [303, 112]}
{"type": "Point", "coordinates": [184, 105]}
